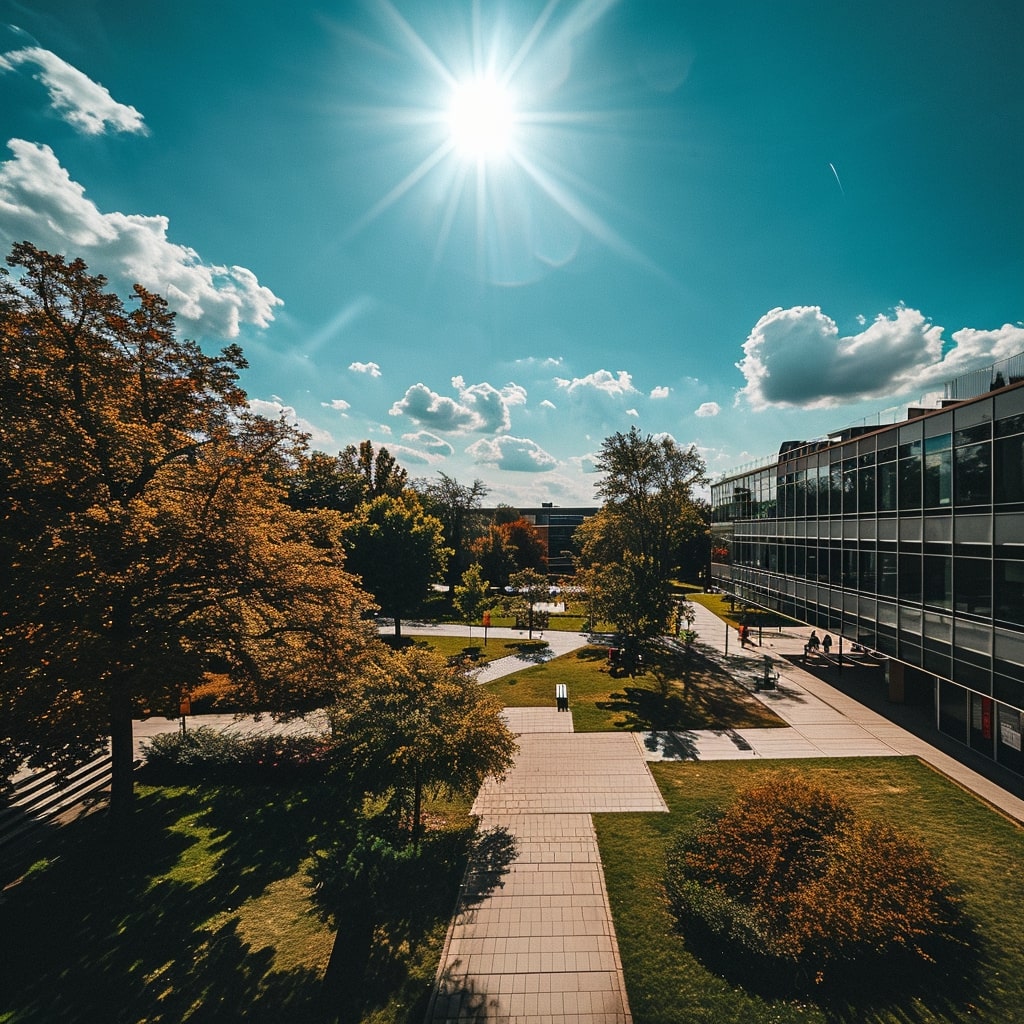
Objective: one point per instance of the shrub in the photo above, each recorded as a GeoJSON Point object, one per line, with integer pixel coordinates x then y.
{"type": "Point", "coordinates": [210, 752]}
{"type": "Point", "coordinates": [787, 873]}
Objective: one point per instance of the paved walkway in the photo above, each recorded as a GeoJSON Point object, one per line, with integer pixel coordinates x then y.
{"type": "Point", "coordinates": [828, 716]}
{"type": "Point", "coordinates": [538, 945]}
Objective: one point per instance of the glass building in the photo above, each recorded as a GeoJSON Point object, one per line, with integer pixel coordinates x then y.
{"type": "Point", "coordinates": [907, 540]}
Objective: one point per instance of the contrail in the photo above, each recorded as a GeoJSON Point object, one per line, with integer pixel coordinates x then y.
{"type": "Point", "coordinates": [836, 173]}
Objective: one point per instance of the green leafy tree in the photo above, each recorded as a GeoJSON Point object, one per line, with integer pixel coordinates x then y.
{"type": "Point", "coordinates": [636, 542]}
{"type": "Point", "coordinates": [472, 596]}
{"type": "Point", "coordinates": [457, 506]}
{"type": "Point", "coordinates": [346, 480]}
{"type": "Point", "coordinates": [412, 724]}
{"type": "Point", "coordinates": [531, 589]}
{"type": "Point", "coordinates": [398, 551]}
{"type": "Point", "coordinates": [140, 538]}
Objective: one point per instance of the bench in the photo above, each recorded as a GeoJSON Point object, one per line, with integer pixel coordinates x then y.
{"type": "Point", "coordinates": [561, 697]}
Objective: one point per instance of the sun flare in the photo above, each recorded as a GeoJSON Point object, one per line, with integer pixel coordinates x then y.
{"type": "Point", "coordinates": [481, 119]}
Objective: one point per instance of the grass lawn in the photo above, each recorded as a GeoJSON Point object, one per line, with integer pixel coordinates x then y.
{"type": "Point", "coordinates": [720, 605]}
{"type": "Point", "coordinates": [667, 982]}
{"type": "Point", "coordinates": [475, 648]}
{"type": "Point", "coordinates": [658, 699]}
{"type": "Point", "coordinates": [203, 915]}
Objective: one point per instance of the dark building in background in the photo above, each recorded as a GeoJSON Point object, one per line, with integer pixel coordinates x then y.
{"type": "Point", "coordinates": [907, 540]}
{"type": "Point", "coordinates": [556, 526]}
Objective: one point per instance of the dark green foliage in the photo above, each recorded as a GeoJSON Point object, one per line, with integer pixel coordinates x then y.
{"type": "Point", "coordinates": [213, 754]}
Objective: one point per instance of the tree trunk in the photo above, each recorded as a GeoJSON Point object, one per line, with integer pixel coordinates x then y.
{"type": "Point", "coordinates": [346, 970]}
{"type": "Point", "coordinates": [398, 626]}
{"type": "Point", "coordinates": [122, 755]}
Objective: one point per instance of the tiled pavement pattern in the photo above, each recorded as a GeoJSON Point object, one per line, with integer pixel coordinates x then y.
{"type": "Point", "coordinates": [535, 943]}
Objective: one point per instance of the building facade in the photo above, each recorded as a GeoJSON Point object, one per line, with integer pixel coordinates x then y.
{"type": "Point", "coordinates": [907, 540]}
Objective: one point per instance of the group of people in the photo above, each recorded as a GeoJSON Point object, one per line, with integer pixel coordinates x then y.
{"type": "Point", "coordinates": [814, 644]}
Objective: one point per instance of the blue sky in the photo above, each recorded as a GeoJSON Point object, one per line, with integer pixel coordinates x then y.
{"type": "Point", "coordinates": [488, 235]}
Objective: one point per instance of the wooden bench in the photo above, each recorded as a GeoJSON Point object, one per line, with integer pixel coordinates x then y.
{"type": "Point", "coordinates": [561, 697]}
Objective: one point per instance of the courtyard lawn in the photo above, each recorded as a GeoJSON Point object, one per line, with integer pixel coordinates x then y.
{"type": "Point", "coordinates": [982, 851]}
{"type": "Point", "coordinates": [662, 698]}
{"type": "Point", "coordinates": [203, 913]}
{"type": "Point", "coordinates": [474, 648]}
{"type": "Point", "coordinates": [733, 612]}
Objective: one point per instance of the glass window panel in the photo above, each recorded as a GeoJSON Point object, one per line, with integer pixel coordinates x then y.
{"type": "Point", "coordinates": [973, 474]}
{"type": "Point", "coordinates": [973, 586]}
{"type": "Point", "coordinates": [910, 578]}
{"type": "Point", "coordinates": [938, 479]}
{"type": "Point", "coordinates": [938, 581]}
{"type": "Point", "coordinates": [910, 483]}
{"type": "Point", "coordinates": [1009, 469]}
{"type": "Point", "coordinates": [1009, 591]}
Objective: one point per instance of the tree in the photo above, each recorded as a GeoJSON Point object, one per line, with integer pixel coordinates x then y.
{"type": "Point", "coordinates": [346, 480]}
{"type": "Point", "coordinates": [412, 724]}
{"type": "Point", "coordinates": [495, 556]}
{"type": "Point", "coordinates": [637, 540]}
{"type": "Point", "coordinates": [527, 545]}
{"type": "Point", "coordinates": [532, 588]}
{"type": "Point", "coordinates": [140, 539]}
{"type": "Point", "coordinates": [454, 504]}
{"type": "Point", "coordinates": [398, 550]}
{"type": "Point", "coordinates": [472, 596]}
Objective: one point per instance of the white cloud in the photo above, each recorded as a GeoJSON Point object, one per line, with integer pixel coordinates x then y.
{"type": "Point", "coordinates": [81, 102]}
{"type": "Point", "coordinates": [548, 404]}
{"type": "Point", "coordinates": [431, 442]}
{"type": "Point", "coordinates": [38, 200]}
{"type": "Point", "coordinates": [633, 412]}
{"type": "Point", "coordinates": [275, 409]}
{"type": "Point", "coordinates": [602, 382]}
{"type": "Point", "coordinates": [708, 409]}
{"type": "Point", "coordinates": [371, 369]}
{"type": "Point", "coordinates": [658, 393]}
{"type": "Point", "coordinates": [406, 454]}
{"type": "Point", "coordinates": [479, 407]}
{"type": "Point", "coordinates": [518, 454]}
{"type": "Point", "coordinates": [797, 358]}
{"type": "Point", "coordinates": [338, 404]}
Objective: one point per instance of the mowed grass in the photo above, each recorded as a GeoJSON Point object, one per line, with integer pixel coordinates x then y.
{"type": "Point", "coordinates": [664, 697]}
{"type": "Point", "coordinates": [203, 914]}
{"type": "Point", "coordinates": [981, 850]}
{"type": "Point", "coordinates": [475, 649]}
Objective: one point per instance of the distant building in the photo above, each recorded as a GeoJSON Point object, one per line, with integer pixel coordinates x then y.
{"type": "Point", "coordinates": [907, 540]}
{"type": "Point", "coordinates": [555, 526]}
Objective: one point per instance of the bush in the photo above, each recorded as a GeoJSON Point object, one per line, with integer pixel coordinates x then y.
{"type": "Point", "coordinates": [788, 874]}
{"type": "Point", "coordinates": [208, 752]}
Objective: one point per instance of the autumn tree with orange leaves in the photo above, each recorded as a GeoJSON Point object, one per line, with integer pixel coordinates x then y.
{"type": "Point", "coordinates": [141, 542]}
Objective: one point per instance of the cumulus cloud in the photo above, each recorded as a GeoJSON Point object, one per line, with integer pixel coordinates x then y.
{"type": "Point", "coordinates": [80, 101]}
{"type": "Point", "coordinates": [797, 358]}
{"type": "Point", "coordinates": [479, 407]}
{"type": "Point", "coordinates": [708, 409]}
{"type": "Point", "coordinates": [275, 409]}
{"type": "Point", "coordinates": [423, 439]}
{"type": "Point", "coordinates": [370, 369]}
{"type": "Point", "coordinates": [548, 404]}
{"type": "Point", "coordinates": [633, 412]}
{"type": "Point", "coordinates": [512, 453]}
{"type": "Point", "coordinates": [39, 200]}
{"type": "Point", "coordinates": [657, 393]}
{"type": "Point", "coordinates": [424, 458]}
{"type": "Point", "coordinates": [338, 404]}
{"type": "Point", "coordinates": [600, 382]}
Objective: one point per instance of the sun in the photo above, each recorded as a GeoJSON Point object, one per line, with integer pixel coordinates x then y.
{"type": "Point", "coordinates": [481, 119]}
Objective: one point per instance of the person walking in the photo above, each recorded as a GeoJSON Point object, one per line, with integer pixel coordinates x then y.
{"type": "Point", "coordinates": [826, 644]}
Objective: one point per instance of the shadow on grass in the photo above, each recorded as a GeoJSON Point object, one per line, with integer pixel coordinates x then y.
{"type": "Point", "coordinates": [904, 986]}
{"type": "Point", "coordinates": [145, 927]}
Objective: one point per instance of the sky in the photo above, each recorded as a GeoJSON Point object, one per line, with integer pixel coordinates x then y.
{"type": "Point", "coordinates": [488, 235]}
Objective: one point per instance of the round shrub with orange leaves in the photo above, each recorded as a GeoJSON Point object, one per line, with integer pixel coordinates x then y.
{"type": "Point", "coordinates": [788, 874]}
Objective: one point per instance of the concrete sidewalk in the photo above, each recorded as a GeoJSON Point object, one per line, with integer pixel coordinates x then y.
{"type": "Point", "coordinates": [539, 947]}
{"type": "Point", "coordinates": [826, 720]}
